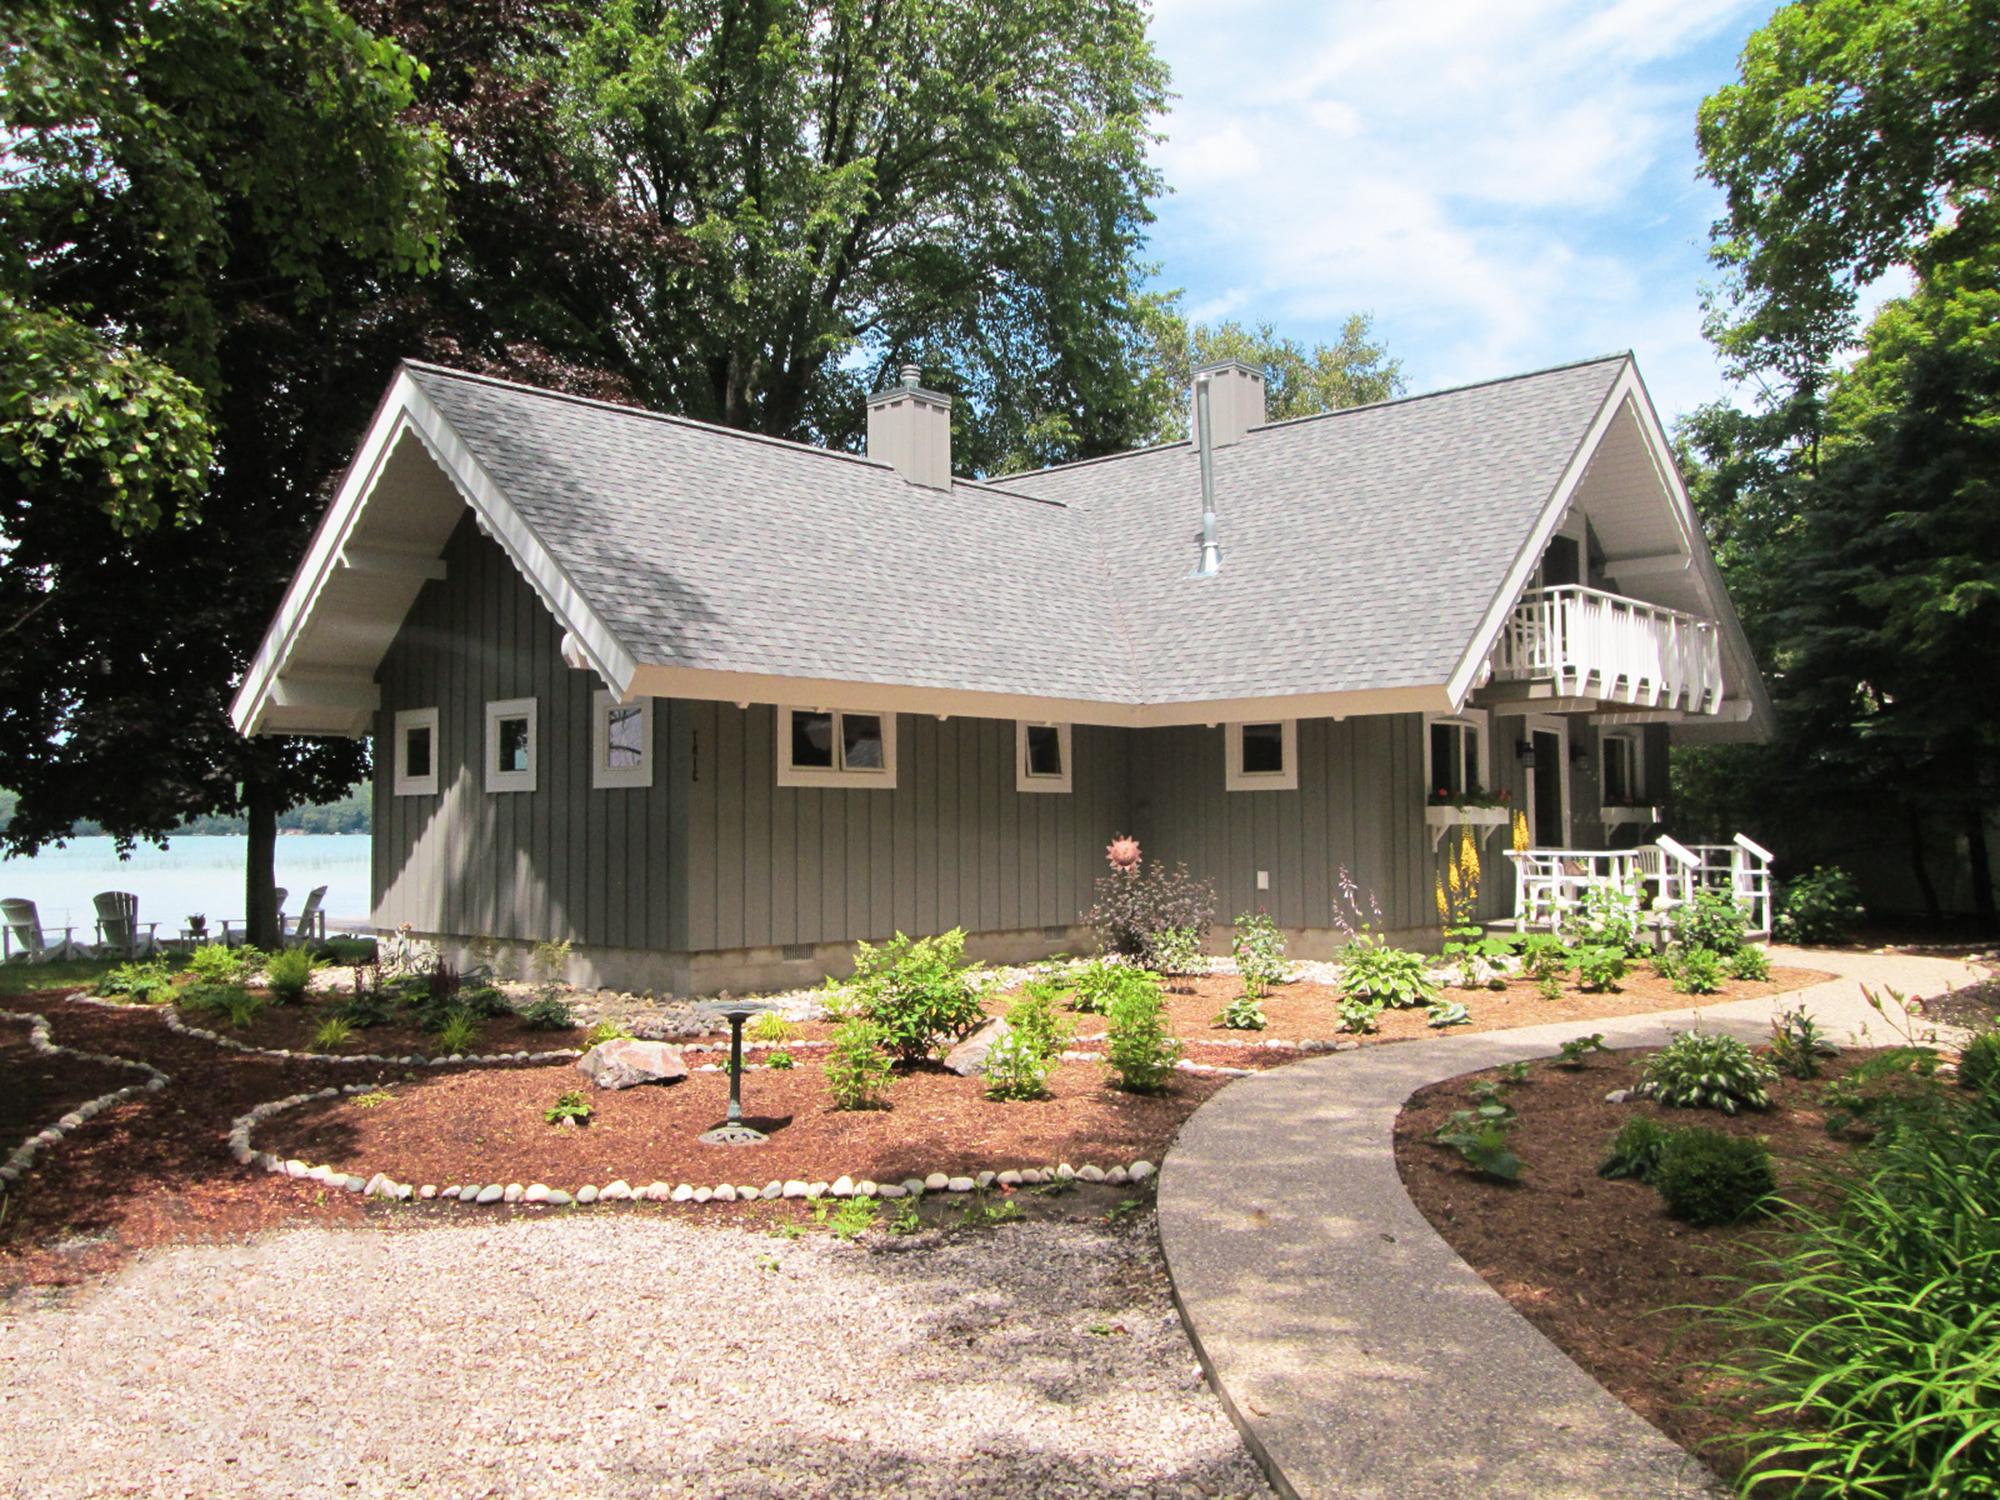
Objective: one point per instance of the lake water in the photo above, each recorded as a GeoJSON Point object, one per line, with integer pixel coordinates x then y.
{"type": "Point", "coordinates": [197, 873]}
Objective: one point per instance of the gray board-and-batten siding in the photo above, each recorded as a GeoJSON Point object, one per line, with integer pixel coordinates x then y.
{"type": "Point", "coordinates": [716, 859]}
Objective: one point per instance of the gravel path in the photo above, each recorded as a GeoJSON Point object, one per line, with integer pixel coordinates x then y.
{"type": "Point", "coordinates": [609, 1356]}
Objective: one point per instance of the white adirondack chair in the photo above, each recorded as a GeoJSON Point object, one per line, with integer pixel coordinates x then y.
{"type": "Point", "coordinates": [311, 925]}
{"type": "Point", "coordinates": [237, 929]}
{"type": "Point", "coordinates": [23, 938]}
{"type": "Point", "coordinates": [119, 929]}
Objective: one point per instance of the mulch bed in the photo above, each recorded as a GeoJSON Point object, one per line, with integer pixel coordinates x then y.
{"type": "Point", "coordinates": [1975, 1007]}
{"type": "Point", "coordinates": [1311, 1012]}
{"type": "Point", "coordinates": [487, 1126]}
{"type": "Point", "coordinates": [1598, 1265]}
{"type": "Point", "coordinates": [41, 1089]}
{"type": "Point", "coordinates": [291, 1027]}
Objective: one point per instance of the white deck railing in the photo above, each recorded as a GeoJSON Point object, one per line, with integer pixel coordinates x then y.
{"type": "Point", "coordinates": [1605, 646]}
{"type": "Point", "coordinates": [1550, 884]}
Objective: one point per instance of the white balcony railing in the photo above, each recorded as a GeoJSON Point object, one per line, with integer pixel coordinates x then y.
{"type": "Point", "coordinates": [1591, 644]}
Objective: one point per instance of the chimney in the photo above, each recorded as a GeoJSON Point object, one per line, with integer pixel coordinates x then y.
{"type": "Point", "coordinates": [909, 428]}
{"type": "Point", "coordinates": [1235, 400]}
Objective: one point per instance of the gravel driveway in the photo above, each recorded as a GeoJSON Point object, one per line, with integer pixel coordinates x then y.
{"type": "Point", "coordinates": [604, 1355]}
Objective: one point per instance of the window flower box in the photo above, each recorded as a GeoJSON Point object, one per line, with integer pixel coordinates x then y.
{"type": "Point", "coordinates": [1440, 817]}
{"type": "Point", "coordinates": [1641, 813]}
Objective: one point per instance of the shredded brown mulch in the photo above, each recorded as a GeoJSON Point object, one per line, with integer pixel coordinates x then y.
{"type": "Point", "coordinates": [41, 1089]}
{"type": "Point", "coordinates": [1598, 1265]}
{"type": "Point", "coordinates": [487, 1126]}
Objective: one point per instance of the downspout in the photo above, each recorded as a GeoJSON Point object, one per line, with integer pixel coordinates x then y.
{"type": "Point", "coordinates": [1204, 436]}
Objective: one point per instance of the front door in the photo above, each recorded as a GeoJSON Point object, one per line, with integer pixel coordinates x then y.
{"type": "Point", "coordinates": [1551, 818]}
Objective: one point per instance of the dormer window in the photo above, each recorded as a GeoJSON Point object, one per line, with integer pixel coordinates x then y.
{"type": "Point", "coordinates": [836, 747]}
{"type": "Point", "coordinates": [1263, 756]}
{"type": "Point", "coordinates": [1041, 757]}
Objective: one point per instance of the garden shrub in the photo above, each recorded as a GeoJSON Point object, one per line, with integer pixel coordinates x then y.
{"type": "Point", "coordinates": [920, 992]}
{"type": "Point", "coordinates": [1243, 1014]}
{"type": "Point", "coordinates": [204, 999]}
{"type": "Point", "coordinates": [1142, 1049]}
{"type": "Point", "coordinates": [1696, 971]}
{"type": "Point", "coordinates": [1136, 901]}
{"type": "Point", "coordinates": [1607, 917]}
{"type": "Point", "coordinates": [1866, 1339]}
{"type": "Point", "coordinates": [218, 963]}
{"type": "Point", "coordinates": [364, 1011]}
{"type": "Point", "coordinates": [332, 1033]}
{"type": "Point", "coordinates": [288, 974]}
{"type": "Point", "coordinates": [1821, 906]}
{"type": "Point", "coordinates": [1016, 1069]}
{"type": "Point", "coordinates": [1034, 1019]}
{"type": "Point", "coordinates": [1545, 957]}
{"type": "Point", "coordinates": [1174, 950]}
{"type": "Point", "coordinates": [1634, 1150]}
{"type": "Point", "coordinates": [857, 1070]}
{"type": "Point", "coordinates": [1707, 1070]}
{"type": "Point", "coordinates": [1099, 983]}
{"type": "Point", "coordinates": [1386, 977]}
{"type": "Point", "coordinates": [1259, 949]}
{"type": "Point", "coordinates": [1711, 1177]}
{"type": "Point", "coordinates": [1979, 1064]}
{"type": "Point", "coordinates": [146, 983]}
{"type": "Point", "coordinates": [458, 1033]}
{"type": "Point", "coordinates": [485, 1002]}
{"type": "Point", "coordinates": [1714, 920]}
{"type": "Point", "coordinates": [1797, 1044]}
{"type": "Point", "coordinates": [1600, 968]}
{"type": "Point", "coordinates": [1749, 962]}
{"type": "Point", "coordinates": [547, 1014]}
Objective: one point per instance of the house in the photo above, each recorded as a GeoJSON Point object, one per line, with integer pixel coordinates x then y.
{"type": "Point", "coordinates": [713, 706]}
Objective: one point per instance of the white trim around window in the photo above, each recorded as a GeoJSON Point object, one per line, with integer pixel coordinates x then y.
{"type": "Point", "coordinates": [511, 742]}
{"type": "Point", "coordinates": [416, 774]}
{"type": "Point", "coordinates": [1261, 775]}
{"type": "Point", "coordinates": [1041, 756]}
{"type": "Point", "coordinates": [621, 742]}
{"type": "Point", "coordinates": [1477, 721]}
{"type": "Point", "coordinates": [836, 747]}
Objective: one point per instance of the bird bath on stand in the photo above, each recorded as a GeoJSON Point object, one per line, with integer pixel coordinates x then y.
{"type": "Point", "coordinates": [733, 1132]}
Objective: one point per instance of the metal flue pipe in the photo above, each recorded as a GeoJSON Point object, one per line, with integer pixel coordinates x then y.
{"type": "Point", "coordinates": [1210, 562]}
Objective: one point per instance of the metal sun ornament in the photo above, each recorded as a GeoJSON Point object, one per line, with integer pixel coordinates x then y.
{"type": "Point", "coordinates": [733, 1132]}
{"type": "Point", "coordinates": [1123, 853]}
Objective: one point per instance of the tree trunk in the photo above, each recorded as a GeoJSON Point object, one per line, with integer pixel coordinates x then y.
{"type": "Point", "coordinates": [1982, 864]}
{"type": "Point", "coordinates": [260, 895]}
{"type": "Point", "coordinates": [1918, 867]}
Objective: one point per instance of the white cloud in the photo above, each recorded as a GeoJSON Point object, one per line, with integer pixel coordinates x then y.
{"type": "Point", "coordinates": [1502, 184]}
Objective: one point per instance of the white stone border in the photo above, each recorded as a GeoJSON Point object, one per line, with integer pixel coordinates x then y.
{"type": "Point", "coordinates": [381, 1185]}
{"type": "Point", "coordinates": [406, 1060]}
{"type": "Point", "coordinates": [39, 1038]}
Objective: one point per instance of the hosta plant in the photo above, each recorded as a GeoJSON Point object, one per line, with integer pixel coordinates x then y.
{"type": "Point", "coordinates": [1444, 1013]}
{"type": "Point", "coordinates": [1360, 1016]}
{"type": "Point", "coordinates": [1577, 1049]}
{"type": "Point", "coordinates": [1394, 978]}
{"type": "Point", "coordinates": [1243, 1014]}
{"type": "Point", "coordinates": [1707, 1070]}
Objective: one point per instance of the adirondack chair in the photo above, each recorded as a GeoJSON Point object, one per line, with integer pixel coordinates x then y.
{"type": "Point", "coordinates": [23, 938]}
{"type": "Point", "coordinates": [311, 925]}
{"type": "Point", "coordinates": [119, 929]}
{"type": "Point", "coordinates": [237, 929]}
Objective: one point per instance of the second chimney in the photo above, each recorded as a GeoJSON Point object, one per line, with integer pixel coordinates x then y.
{"type": "Point", "coordinates": [909, 428]}
{"type": "Point", "coordinates": [1235, 400]}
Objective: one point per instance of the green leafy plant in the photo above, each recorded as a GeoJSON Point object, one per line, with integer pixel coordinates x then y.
{"type": "Point", "coordinates": [548, 962]}
{"type": "Point", "coordinates": [1515, 1072]}
{"type": "Point", "coordinates": [920, 992]}
{"type": "Point", "coordinates": [1360, 1016]}
{"type": "Point", "coordinates": [1601, 966]}
{"type": "Point", "coordinates": [1711, 1177]}
{"type": "Point", "coordinates": [373, 1099]}
{"type": "Point", "coordinates": [288, 975]}
{"type": "Point", "coordinates": [1821, 906]}
{"type": "Point", "coordinates": [1243, 1014]}
{"type": "Point", "coordinates": [1549, 987]}
{"type": "Point", "coordinates": [1749, 963]}
{"type": "Point", "coordinates": [1097, 985]}
{"type": "Point", "coordinates": [547, 1014]}
{"type": "Point", "coordinates": [145, 983]}
{"type": "Point", "coordinates": [1634, 1150]}
{"type": "Point", "coordinates": [1798, 1046]}
{"type": "Point", "coordinates": [1546, 956]}
{"type": "Point", "coordinates": [607, 1029]}
{"type": "Point", "coordinates": [780, 1060]}
{"type": "Point", "coordinates": [857, 1070]}
{"type": "Point", "coordinates": [1607, 917]}
{"type": "Point", "coordinates": [1259, 950]}
{"type": "Point", "coordinates": [362, 1011]}
{"type": "Point", "coordinates": [1174, 950]}
{"type": "Point", "coordinates": [1132, 904]}
{"type": "Point", "coordinates": [1479, 956]}
{"type": "Point", "coordinates": [906, 1219]}
{"type": "Point", "coordinates": [1016, 1069]}
{"type": "Point", "coordinates": [1884, 1093]}
{"type": "Point", "coordinates": [485, 1002]}
{"type": "Point", "coordinates": [1386, 977]}
{"type": "Point", "coordinates": [1576, 1051]}
{"type": "Point", "coordinates": [459, 1033]}
{"type": "Point", "coordinates": [1480, 1136]}
{"type": "Point", "coordinates": [572, 1107]}
{"type": "Point", "coordinates": [218, 963]}
{"type": "Point", "coordinates": [200, 999]}
{"type": "Point", "coordinates": [1979, 1064]}
{"type": "Point", "coordinates": [1444, 1013]}
{"type": "Point", "coordinates": [846, 1219]}
{"type": "Point", "coordinates": [769, 1026]}
{"type": "Point", "coordinates": [332, 1032]}
{"type": "Point", "coordinates": [984, 1213]}
{"type": "Point", "coordinates": [1714, 920]}
{"type": "Point", "coordinates": [1697, 971]}
{"type": "Point", "coordinates": [1142, 1049]}
{"type": "Point", "coordinates": [1707, 1070]}
{"type": "Point", "coordinates": [1034, 1019]}
{"type": "Point", "coordinates": [243, 1008]}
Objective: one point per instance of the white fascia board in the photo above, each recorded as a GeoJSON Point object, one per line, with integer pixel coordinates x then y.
{"type": "Point", "coordinates": [1547, 524]}
{"type": "Point", "coordinates": [819, 692]}
{"type": "Point", "coordinates": [406, 409]}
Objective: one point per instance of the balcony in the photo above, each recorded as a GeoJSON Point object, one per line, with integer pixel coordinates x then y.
{"type": "Point", "coordinates": [1588, 644]}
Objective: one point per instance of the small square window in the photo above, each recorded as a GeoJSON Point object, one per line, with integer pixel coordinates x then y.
{"type": "Point", "coordinates": [1263, 756]}
{"type": "Point", "coordinates": [833, 747]}
{"type": "Point", "coordinates": [621, 742]}
{"type": "Point", "coordinates": [1041, 757]}
{"type": "Point", "coordinates": [510, 745]}
{"type": "Point", "coordinates": [416, 752]}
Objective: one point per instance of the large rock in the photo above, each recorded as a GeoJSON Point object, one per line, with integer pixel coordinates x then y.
{"type": "Point", "coordinates": [622, 1062]}
{"type": "Point", "coordinates": [969, 1056]}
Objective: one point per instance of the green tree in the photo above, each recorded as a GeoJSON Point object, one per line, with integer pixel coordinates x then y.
{"type": "Point", "coordinates": [961, 183]}
{"type": "Point", "coordinates": [207, 206]}
{"type": "Point", "coordinates": [1298, 382]}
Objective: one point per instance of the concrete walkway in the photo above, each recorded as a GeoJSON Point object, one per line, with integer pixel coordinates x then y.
{"type": "Point", "coordinates": [1359, 1355]}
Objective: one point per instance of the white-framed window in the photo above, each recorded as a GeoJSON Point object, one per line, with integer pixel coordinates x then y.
{"type": "Point", "coordinates": [1623, 759]}
{"type": "Point", "coordinates": [510, 745]}
{"type": "Point", "coordinates": [417, 752]}
{"type": "Point", "coordinates": [1041, 756]}
{"type": "Point", "coordinates": [621, 741]}
{"type": "Point", "coordinates": [836, 747]}
{"type": "Point", "coordinates": [1263, 756]}
{"type": "Point", "coordinates": [1458, 757]}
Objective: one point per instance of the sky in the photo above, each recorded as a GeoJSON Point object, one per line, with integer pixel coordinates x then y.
{"type": "Point", "coordinates": [1502, 184]}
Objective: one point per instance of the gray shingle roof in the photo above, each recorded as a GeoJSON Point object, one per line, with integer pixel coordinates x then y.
{"type": "Point", "coordinates": [1360, 548]}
